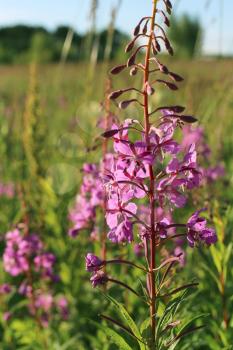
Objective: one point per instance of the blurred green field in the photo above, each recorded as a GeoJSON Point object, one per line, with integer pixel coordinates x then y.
{"type": "Point", "coordinates": [66, 103]}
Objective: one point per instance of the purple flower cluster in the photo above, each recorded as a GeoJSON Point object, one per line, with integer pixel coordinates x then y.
{"type": "Point", "coordinates": [196, 135]}
{"type": "Point", "coordinates": [126, 177]}
{"type": "Point", "coordinates": [25, 256]}
{"type": "Point", "coordinates": [82, 215]}
{"type": "Point", "coordinates": [23, 251]}
{"type": "Point", "coordinates": [197, 230]}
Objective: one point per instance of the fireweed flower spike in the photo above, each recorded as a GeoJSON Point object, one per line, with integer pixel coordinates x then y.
{"type": "Point", "coordinates": [152, 168]}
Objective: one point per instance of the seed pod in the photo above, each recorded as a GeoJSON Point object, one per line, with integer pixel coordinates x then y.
{"type": "Point", "coordinates": [115, 94]}
{"type": "Point", "coordinates": [118, 69]}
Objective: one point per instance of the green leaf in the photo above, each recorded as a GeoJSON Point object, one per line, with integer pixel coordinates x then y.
{"type": "Point", "coordinates": [130, 322]}
{"type": "Point", "coordinates": [114, 336]}
{"type": "Point", "coordinates": [116, 339]}
{"type": "Point", "coordinates": [217, 258]}
{"type": "Point", "coordinates": [227, 254]}
{"type": "Point", "coordinates": [212, 274]}
{"type": "Point", "coordinates": [170, 310]}
{"type": "Point", "coordinates": [145, 324]}
{"type": "Point", "coordinates": [190, 321]}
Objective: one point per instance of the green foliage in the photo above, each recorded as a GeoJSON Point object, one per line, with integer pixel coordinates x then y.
{"type": "Point", "coordinates": [22, 44]}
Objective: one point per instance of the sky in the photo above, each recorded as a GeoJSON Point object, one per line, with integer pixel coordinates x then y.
{"type": "Point", "coordinates": [215, 16]}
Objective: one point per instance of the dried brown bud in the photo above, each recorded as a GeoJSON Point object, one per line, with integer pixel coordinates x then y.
{"type": "Point", "coordinates": [144, 30]}
{"type": "Point", "coordinates": [118, 69]}
{"type": "Point", "coordinates": [171, 86]}
{"type": "Point", "coordinates": [168, 47]}
{"type": "Point", "coordinates": [173, 109]}
{"type": "Point", "coordinates": [115, 94]}
{"type": "Point", "coordinates": [130, 46]}
{"type": "Point", "coordinates": [136, 29]}
{"type": "Point", "coordinates": [175, 76]}
{"type": "Point", "coordinates": [169, 4]}
{"type": "Point", "coordinates": [157, 45]}
{"type": "Point", "coordinates": [126, 103]}
{"type": "Point", "coordinates": [131, 60]}
{"type": "Point", "coordinates": [188, 119]}
{"type": "Point", "coordinates": [154, 49]}
{"type": "Point", "coordinates": [161, 66]}
{"type": "Point", "coordinates": [110, 133]}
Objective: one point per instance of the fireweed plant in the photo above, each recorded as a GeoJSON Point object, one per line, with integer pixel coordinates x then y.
{"type": "Point", "coordinates": [148, 167]}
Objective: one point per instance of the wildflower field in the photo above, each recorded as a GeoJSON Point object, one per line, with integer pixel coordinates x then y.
{"type": "Point", "coordinates": [116, 193]}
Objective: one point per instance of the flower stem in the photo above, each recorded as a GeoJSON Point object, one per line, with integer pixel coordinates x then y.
{"type": "Point", "coordinates": [151, 251]}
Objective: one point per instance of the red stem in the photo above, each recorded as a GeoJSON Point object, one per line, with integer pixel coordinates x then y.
{"type": "Point", "coordinates": [152, 250]}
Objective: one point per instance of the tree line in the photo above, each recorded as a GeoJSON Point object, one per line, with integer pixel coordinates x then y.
{"type": "Point", "coordinates": [23, 43]}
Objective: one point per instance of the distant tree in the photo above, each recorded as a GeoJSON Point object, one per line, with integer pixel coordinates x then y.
{"type": "Point", "coordinates": [119, 40]}
{"type": "Point", "coordinates": [186, 35]}
{"type": "Point", "coordinates": [16, 40]}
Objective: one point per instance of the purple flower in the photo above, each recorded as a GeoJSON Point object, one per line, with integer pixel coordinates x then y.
{"type": "Point", "coordinates": [122, 233]}
{"type": "Point", "coordinates": [161, 227]}
{"type": "Point", "coordinates": [5, 288]}
{"type": "Point", "coordinates": [98, 278]}
{"type": "Point", "coordinates": [138, 249]}
{"type": "Point", "coordinates": [161, 141]}
{"type": "Point", "coordinates": [62, 305]}
{"type": "Point", "coordinates": [44, 261]}
{"type": "Point", "coordinates": [44, 301]}
{"type": "Point", "coordinates": [81, 215]}
{"type": "Point", "coordinates": [135, 155]}
{"type": "Point", "coordinates": [119, 210]}
{"type": "Point", "coordinates": [197, 230]}
{"type": "Point", "coordinates": [25, 289]}
{"type": "Point", "coordinates": [15, 255]}
{"type": "Point", "coordinates": [93, 263]}
{"type": "Point", "coordinates": [213, 173]}
{"type": "Point", "coordinates": [6, 316]}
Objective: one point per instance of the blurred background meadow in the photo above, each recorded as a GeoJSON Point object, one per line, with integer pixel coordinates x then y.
{"type": "Point", "coordinates": [55, 59]}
